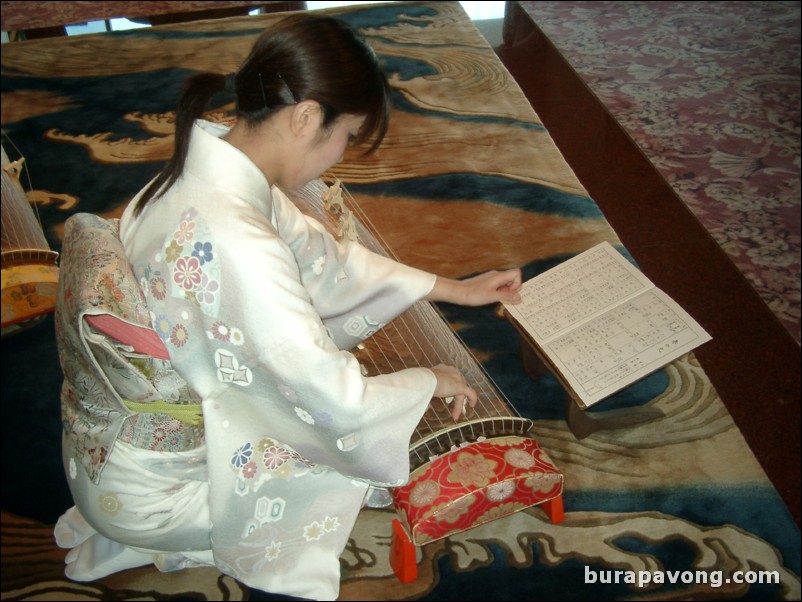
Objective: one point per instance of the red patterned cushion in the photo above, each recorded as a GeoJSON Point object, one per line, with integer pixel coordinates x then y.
{"type": "Point", "coordinates": [475, 484]}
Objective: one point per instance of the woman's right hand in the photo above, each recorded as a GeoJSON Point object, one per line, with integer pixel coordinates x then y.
{"type": "Point", "coordinates": [451, 383]}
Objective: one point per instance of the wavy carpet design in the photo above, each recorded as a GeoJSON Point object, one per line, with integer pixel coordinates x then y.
{"type": "Point", "coordinates": [468, 180]}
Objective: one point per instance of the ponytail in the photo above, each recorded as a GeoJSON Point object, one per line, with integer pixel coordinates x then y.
{"type": "Point", "coordinates": [197, 92]}
{"type": "Point", "coordinates": [302, 57]}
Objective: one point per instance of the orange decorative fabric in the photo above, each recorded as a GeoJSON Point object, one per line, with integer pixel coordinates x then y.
{"type": "Point", "coordinates": [28, 291]}
{"type": "Point", "coordinates": [475, 484]}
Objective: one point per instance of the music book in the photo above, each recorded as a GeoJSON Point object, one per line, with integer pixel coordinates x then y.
{"type": "Point", "coordinates": [600, 324]}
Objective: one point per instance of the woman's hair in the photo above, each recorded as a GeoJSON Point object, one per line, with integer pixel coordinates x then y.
{"type": "Point", "coordinates": [302, 57]}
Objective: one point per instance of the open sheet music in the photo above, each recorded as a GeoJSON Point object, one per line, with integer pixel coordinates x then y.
{"type": "Point", "coordinates": [601, 325]}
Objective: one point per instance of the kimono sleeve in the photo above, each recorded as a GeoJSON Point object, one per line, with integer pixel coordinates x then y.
{"type": "Point", "coordinates": [354, 290]}
{"type": "Point", "coordinates": [282, 376]}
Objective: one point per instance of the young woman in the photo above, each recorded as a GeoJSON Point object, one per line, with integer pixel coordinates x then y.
{"type": "Point", "coordinates": [257, 306]}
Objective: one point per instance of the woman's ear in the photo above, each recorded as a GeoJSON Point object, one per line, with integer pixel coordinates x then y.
{"type": "Point", "coordinates": [306, 118]}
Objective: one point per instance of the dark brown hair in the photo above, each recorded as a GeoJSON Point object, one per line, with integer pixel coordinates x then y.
{"type": "Point", "coordinates": [302, 57]}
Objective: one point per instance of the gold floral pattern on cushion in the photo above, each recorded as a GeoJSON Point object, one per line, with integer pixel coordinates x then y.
{"type": "Point", "coordinates": [424, 493]}
{"type": "Point", "coordinates": [472, 470]}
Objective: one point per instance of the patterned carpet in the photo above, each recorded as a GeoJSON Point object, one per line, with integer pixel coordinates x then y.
{"type": "Point", "coordinates": [710, 91]}
{"type": "Point", "coordinates": [468, 180]}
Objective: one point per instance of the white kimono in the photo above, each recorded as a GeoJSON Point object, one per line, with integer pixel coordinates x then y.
{"type": "Point", "coordinates": [257, 305]}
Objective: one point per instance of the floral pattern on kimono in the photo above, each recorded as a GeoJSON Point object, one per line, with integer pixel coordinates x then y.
{"type": "Point", "coordinates": [257, 305]}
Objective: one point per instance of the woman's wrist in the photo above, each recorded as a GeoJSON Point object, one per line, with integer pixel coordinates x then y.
{"type": "Point", "coordinates": [490, 287]}
{"type": "Point", "coordinates": [447, 290]}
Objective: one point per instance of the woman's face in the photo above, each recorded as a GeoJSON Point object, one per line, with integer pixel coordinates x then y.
{"type": "Point", "coordinates": [324, 150]}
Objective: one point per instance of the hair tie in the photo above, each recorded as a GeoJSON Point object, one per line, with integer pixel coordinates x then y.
{"type": "Point", "coordinates": [231, 83]}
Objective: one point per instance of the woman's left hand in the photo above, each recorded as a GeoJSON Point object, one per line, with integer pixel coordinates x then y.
{"type": "Point", "coordinates": [490, 287]}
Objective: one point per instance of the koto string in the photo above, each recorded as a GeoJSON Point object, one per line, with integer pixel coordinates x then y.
{"type": "Point", "coordinates": [23, 240]}
{"type": "Point", "coordinates": [432, 318]}
{"type": "Point", "coordinates": [430, 348]}
{"type": "Point", "coordinates": [419, 337]}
